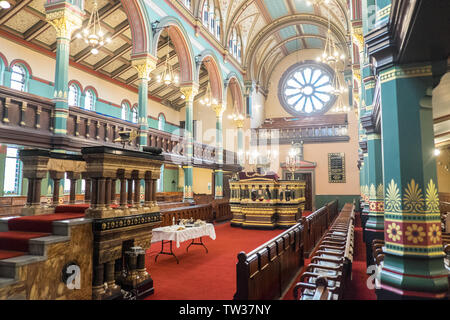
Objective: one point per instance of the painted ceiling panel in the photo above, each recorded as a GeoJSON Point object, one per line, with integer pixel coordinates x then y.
{"type": "Point", "coordinates": [302, 7]}
{"type": "Point", "coordinates": [277, 8]}
{"type": "Point", "coordinates": [314, 43]}
{"type": "Point", "coordinates": [310, 29]}
{"type": "Point", "coordinates": [288, 32]}
{"type": "Point", "coordinates": [294, 45]}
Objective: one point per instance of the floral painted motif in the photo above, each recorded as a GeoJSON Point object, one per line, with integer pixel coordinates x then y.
{"type": "Point", "coordinates": [415, 233]}
{"type": "Point", "coordinates": [392, 200]}
{"type": "Point", "coordinates": [413, 199]}
{"type": "Point", "coordinates": [394, 232]}
{"type": "Point", "coordinates": [432, 198]}
{"type": "Point", "coordinates": [434, 233]}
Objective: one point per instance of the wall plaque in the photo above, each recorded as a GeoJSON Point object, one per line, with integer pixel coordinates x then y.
{"type": "Point", "coordinates": [336, 168]}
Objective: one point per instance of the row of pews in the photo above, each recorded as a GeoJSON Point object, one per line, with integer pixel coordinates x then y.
{"type": "Point", "coordinates": [268, 271]}
{"type": "Point", "coordinates": [330, 267]}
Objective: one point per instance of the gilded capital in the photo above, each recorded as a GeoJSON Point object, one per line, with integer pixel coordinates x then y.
{"type": "Point", "coordinates": [358, 38]}
{"type": "Point", "coordinates": [189, 92]}
{"type": "Point", "coordinates": [239, 123]}
{"type": "Point", "coordinates": [65, 22]}
{"type": "Point", "coordinates": [219, 109]}
{"type": "Point", "coordinates": [144, 66]}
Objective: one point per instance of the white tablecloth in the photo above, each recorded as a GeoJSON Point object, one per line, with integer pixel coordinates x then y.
{"type": "Point", "coordinates": [171, 233]}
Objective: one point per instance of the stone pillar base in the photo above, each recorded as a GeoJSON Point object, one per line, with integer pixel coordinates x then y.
{"type": "Point", "coordinates": [35, 211]}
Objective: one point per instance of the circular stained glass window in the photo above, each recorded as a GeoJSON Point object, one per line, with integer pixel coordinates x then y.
{"type": "Point", "coordinates": [305, 89]}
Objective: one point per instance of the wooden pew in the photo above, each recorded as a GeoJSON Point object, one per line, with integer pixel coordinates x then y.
{"type": "Point", "coordinates": [266, 272]}
{"type": "Point", "coordinates": [330, 268]}
{"type": "Point", "coordinates": [201, 211]}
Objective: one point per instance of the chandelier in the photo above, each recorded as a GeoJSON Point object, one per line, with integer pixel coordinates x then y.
{"type": "Point", "coordinates": [294, 158]}
{"type": "Point", "coordinates": [207, 99]}
{"type": "Point", "coordinates": [340, 106]}
{"type": "Point", "coordinates": [168, 76]}
{"type": "Point", "coordinates": [93, 34]}
{"type": "Point", "coordinates": [236, 115]}
{"type": "Point", "coordinates": [5, 4]}
{"type": "Point", "coordinates": [330, 54]}
{"type": "Point", "coordinates": [311, 2]}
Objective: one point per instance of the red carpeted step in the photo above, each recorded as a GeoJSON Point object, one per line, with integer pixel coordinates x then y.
{"type": "Point", "coordinates": [18, 240]}
{"type": "Point", "coordinates": [42, 223]}
{"type": "Point", "coordinates": [306, 213]}
{"type": "Point", "coordinates": [72, 208]}
{"type": "Point", "coordinates": [6, 254]}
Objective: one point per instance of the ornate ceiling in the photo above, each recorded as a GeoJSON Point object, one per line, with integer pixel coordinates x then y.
{"type": "Point", "coordinates": [26, 20]}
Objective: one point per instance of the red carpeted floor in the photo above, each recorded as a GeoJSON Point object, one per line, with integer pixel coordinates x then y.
{"type": "Point", "coordinates": [356, 289]}
{"type": "Point", "coordinates": [201, 275]}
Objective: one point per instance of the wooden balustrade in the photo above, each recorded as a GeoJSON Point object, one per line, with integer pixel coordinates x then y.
{"type": "Point", "coordinates": [34, 115]}
{"type": "Point", "coordinates": [202, 211]}
{"type": "Point", "coordinates": [266, 272]}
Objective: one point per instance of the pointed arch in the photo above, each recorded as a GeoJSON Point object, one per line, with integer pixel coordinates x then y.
{"type": "Point", "coordinates": [212, 65]}
{"type": "Point", "coordinates": [183, 47]}
{"type": "Point", "coordinates": [140, 30]}
{"type": "Point", "coordinates": [232, 82]}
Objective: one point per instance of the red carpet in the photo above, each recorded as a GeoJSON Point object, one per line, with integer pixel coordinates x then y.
{"type": "Point", "coordinates": [42, 223]}
{"type": "Point", "coordinates": [201, 275]}
{"type": "Point", "coordinates": [14, 242]}
{"type": "Point", "coordinates": [306, 213]}
{"type": "Point", "coordinates": [18, 240]}
{"type": "Point", "coordinates": [357, 288]}
{"type": "Point", "coordinates": [6, 254]}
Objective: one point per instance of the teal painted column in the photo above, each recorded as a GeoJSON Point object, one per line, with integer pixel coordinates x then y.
{"type": "Point", "coordinates": [143, 66]}
{"type": "Point", "coordinates": [65, 19]}
{"type": "Point", "coordinates": [240, 140]}
{"type": "Point", "coordinates": [414, 259]}
{"type": "Point", "coordinates": [189, 92]}
{"type": "Point", "coordinates": [2, 168]}
{"type": "Point", "coordinates": [218, 173]}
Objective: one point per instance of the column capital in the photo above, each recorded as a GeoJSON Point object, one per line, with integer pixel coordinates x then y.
{"type": "Point", "coordinates": [219, 109]}
{"type": "Point", "coordinates": [144, 65]}
{"type": "Point", "coordinates": [239, 123]}
{"type": "Point", "coordinates": [64, 19]}
{"type": "Point", "coordinates": [357, 35]}
{"type": "Point", "coordinates": [190, 91]}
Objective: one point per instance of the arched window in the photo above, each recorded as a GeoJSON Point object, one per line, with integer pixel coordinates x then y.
{"type": "Point", "coordinates": [161, 122]}
{"type": "Point", "coordinates": [134, 114]}
{"type": "Point", "coordinates": [125, 109]}
{"type": "Point", "coordinates": [18, 77]}
{"type": "Point", "coordinates": [11, 182]}
{"type": "Point", "coordinates": [74, 95]}
{"type": "Point", "coordinates": [211, 18]}
{"type": "Point", "coordinates": [89, 100]}
{"type": "Point", "coordinates": [205, 13]}
{"type": "Point", "coordinates": [2, 70]}
{"type": "Point", "coordinates": [187, 3]}
{"type": "Point", "coordinates": [235, 45]}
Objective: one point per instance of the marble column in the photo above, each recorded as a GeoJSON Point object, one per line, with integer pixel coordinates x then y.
{"type": "Point", "coordinates": [218, 173]}
{"type": "Point", "coordinates": [189, 92]}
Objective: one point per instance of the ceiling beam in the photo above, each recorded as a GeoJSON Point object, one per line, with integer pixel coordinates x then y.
{"type": "Point", "coordinates": [14, 9]}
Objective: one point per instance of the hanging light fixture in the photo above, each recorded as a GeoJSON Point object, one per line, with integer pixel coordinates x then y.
{"type": "Point", "coordinates": [340, 106]}
{"type": "Point", "coordinates": [93, 34]}
{"type": "Point", "coordinates": [168, 76]}
{"type": "Point", "coordinates": [207, 99]}
{"type": "Point", "coordinates": [311, 2]}
{"type": "Point", "coordinates": [5, 4]}
{"type": "Point", "coordinates": [236, 115]}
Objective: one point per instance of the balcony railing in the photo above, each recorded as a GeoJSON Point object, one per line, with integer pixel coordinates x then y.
{"type": "Point", "coordinates": [28, 120]}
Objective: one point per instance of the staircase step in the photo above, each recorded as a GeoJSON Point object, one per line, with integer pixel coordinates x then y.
{"type": "Point", "coordinates": [7, 282]}
{"type": "Point", "coordinates": [9, 267]}
{"type": "Point", "coordinates": [41, 223]}
{"type": "Point", "coordinates": [4, 223]}
{"type": "Point", "coordinates": [6, 254]}
{"type": "Point", "coordinates": [18, 240]}
{"type": "Point", "coordinates": [39, 246]}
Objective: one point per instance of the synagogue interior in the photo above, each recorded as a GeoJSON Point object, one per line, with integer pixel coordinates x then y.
{"type": "Point", "coordinates": [224, 150]}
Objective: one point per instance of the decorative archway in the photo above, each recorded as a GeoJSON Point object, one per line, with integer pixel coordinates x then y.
{"type": "Point", "coordinates": [235, 86]}
{"type": "Point", "coordinates": [212, 65]}
{"type": "Point", "coordinates": [141, 31]}
{"type": "Point", "coordinates": [183, 47]}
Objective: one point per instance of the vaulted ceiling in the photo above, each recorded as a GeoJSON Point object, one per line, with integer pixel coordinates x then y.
{"type": "Point", "coordinates": [25, 20]}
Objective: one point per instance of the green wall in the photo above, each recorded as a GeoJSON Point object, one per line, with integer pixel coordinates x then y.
{"type": "Point", "coordinates": [321, 200]}
{"type": "Point", "coordinates": [169, 176]}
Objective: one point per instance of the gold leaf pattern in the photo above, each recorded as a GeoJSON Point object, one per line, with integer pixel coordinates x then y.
{"type": "Point", "coordinates": [380, 191]}
{"type": "Point", "coordinates": [413, 198]}
{"type": "Point", "coordinates": [372, 192]}
{"type": "Point", "coordinates": [432, 198]}
{"type": "Point", "coordinates": [392, 200]}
